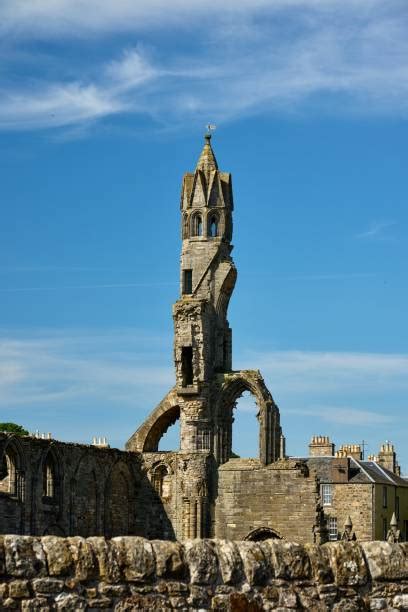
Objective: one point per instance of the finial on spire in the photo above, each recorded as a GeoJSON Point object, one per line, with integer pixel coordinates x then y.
{"type": "Point", "coordinates": [207, 161]}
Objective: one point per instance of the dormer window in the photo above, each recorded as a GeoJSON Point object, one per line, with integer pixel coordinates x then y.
{"type": "Point", "coordinates": [213, 227]}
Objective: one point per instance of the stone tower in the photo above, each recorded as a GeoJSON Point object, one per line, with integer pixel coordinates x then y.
{"type": "Point", "coordinates": [207, 387]}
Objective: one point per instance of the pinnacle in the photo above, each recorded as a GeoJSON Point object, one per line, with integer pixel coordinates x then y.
{"type": "Point", "coordinates": [207, 161]}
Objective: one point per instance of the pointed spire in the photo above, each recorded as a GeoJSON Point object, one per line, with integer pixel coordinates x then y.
{"type": "Point", "coordinates": [207, 161]}
{"type": "Point", "coordinates": [394, 522]}
{"type": "Point", "coordinates": [348, 523]}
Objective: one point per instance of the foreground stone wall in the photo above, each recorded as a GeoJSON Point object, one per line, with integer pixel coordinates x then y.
{"type": "Point", "coordinates": [130, 573]}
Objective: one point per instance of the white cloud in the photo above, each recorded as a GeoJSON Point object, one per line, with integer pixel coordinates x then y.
{"type": "Point", "coordinates": [377, 231]}
{"type": "Point", "coordinates": [344, 415]}
{"type": "Point", "coordinates": [235, 59]}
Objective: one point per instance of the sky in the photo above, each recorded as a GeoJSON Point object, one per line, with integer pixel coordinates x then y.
{"type": "Point", "coordinates": [103, 107]}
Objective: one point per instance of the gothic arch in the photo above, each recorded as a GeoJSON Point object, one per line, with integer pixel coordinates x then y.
{"type": "Point", "coordinates": [146, 439]}
{"type": "Point", "coordinates": [51, 474]}
{"type": "Point", "coordinates": [85, 498]}
{"type": "Point", "coordinates": [263, 533]}
{"type": "Point", "coordinates": [234, 385]}
{"type": "Point", "coordinates": [118, 497]}
{"type": "Point", "coordinates": [12, 469]}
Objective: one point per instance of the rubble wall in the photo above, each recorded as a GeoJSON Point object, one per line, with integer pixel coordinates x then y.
{"type": "Point", "coordinates": [129, 573]}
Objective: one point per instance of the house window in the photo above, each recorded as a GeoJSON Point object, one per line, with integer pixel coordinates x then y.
{"type": "Point", "coordinates": [213, 228]}
{"type": "Point", "coordinates": [187, 365]}
{"type": "Point", "coordinates": [385, 530]}
{"type": "Point", "coordinates": [198, 225]}
{"type": "Point", "coordinates": [406, 530]}
{"type": "Point", "coordinates": [332, 528]}
{"type": "Point", "coordinates": [203, 440]}
{"type": "Point", "coordinates": [397, 507]}
{"type": "Point", "coordinates": [385, 496]}
{"type": "Point", "coordinates": [327, 494]}
{"type": "Point", "coordinates": [187, 281]}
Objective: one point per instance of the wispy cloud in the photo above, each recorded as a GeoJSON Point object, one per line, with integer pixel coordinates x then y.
{"type": "Point", "coordinates": [236, 59]}
{"type": "Point", "coordinates": [377, 231]}
{"type": "Point", "coordinates": [85, 287]}
{"type": "Point", "coordinates": [344, 415]}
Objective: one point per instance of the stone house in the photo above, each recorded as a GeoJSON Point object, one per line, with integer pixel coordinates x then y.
{"type": "Point", "coordinates": [369, 492]}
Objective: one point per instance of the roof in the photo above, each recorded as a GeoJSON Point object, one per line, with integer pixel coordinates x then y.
{"type": "Point", "coordinates": [360, 472]}
{"type": "Point", "coordinates": [207, 159]}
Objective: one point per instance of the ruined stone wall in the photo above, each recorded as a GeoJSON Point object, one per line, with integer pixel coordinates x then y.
{"type": "Point", "coordinates": [128, 573]}
{"type": "Point", "coordinates": [73, 489]}
{"type": "Point", "coordinates": [281, 496]}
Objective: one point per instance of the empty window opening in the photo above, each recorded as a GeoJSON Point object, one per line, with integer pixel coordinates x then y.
{"type": "Point", "coordinates": [187, 281]}
{"type": "Point", "coordinates": [245, 427]}
{"type": "Point", "coordinates": [187, 365]}
{"type": "Point", "coordinates": [8, 482]}
{"type": "Point", "coordinates": [203, 440]}
{"type": "Point", "coordinates": [161, 481]}
{"type": "Point", "coordinates": [49, 478]}
{"type": "Point", "coordinates": [213, 229]}
{"type": "Point", "coordinates": [170, 440]}
{"type": "Point", "coordinates": [198, 225]}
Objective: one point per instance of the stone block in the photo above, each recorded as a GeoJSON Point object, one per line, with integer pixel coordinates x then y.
{"type": "Point", "coordinates": [24, 556]}
{"type": "Point", "coordinates": [169, 559]}
{"type": "Point", "coordinates": [386, 561]}
{"type": "Point", "coordinates": [290, 561]}
{"type": "Point", "coordinates": [106, 556]}
{"type": "Point", "coordinates": [36, 604]}
{"type": "Point", "coordinates": [83, 558]}
{"type": "Point", "coordinates": [70, 602]}
{"type": "Point", "coordinates": [202, 561]}
{"type": "Point", "coordinates": [135, 557]}
{"type": "Point", "coordinates": [58, 555]}
{"type": "Point", "coordinates": [47, 586]}
{"type": "Point", "coordinates": [320, 563]}
{"type": "Point", "coordinates": [230, 562]}
{"type": "Point", "coordinates": [348, 563]}
{"type": "Point", "coordinates": [19, 589]}
{"type": "Point", "coordinates": [256, 567]}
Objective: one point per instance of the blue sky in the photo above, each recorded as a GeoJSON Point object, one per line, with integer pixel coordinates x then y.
{"type": "Point", "coordinates": [102, 109]}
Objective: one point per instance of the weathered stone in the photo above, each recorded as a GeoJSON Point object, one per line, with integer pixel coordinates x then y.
{"type": "Point", "coordinates": [290, 560]}
{"type": "Point", "coordinates": [19, 589]}
{"type": "Point", "coordinates": [3, 591]}
{"type": "Point", "coordinates": [320, 562]}
{"type": "Point", "coordinates": [58, 554]}
{"type": "Point", "coordinates": [348, 564]}
{"type": "Point", "coordinates": [107, 556]}
{"type": "Point", "coordinates": [230, 562]}
{"type": "Point", "coordinates": [400, 602]}
{"type": "Point", "coordinates": [378, 603]}
{"type": "Point", "coordinates": [36, 604]}
{"type": "Point", "coordinates": [47, 585]}
{"type": "Point", "coordinates": [135, 558]}
{"type": "Point", "coordinates": [256, 568]}
{"type": "Point", "coordinates": [202, 561]}
{"type": "Point", "coordinates": [99, 603]}
{"type": "Point", "coordinates": [25, 557]}
{"type": "Point", "coordinates": [169, 559]}
{"type": "Point", "coordinates": [10, 604]}
{"type": "Point", "coordinates": [2, 557]}
{"type": "Point", "coordinates": [386, 561]}
{"type": "Point", "coordinates": [113, 590]}
{"type": "Point", "coordinates": [83, 558]}
{"type": "Point", "coordinates": [70, 602]}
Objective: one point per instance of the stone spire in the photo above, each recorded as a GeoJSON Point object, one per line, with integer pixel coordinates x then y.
{"type": "Point", "coordinates": [207, 161]}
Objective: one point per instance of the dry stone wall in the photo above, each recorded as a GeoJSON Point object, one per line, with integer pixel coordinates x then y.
{"type": "Point", "coordinates": [131, 573]}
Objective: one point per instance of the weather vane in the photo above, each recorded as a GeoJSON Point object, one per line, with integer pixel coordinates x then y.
{"type": "Point", "coordinates": [210, 128]}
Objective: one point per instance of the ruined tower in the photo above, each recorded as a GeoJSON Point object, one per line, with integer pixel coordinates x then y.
{"type": "Point", "coordinates": [207, 387]}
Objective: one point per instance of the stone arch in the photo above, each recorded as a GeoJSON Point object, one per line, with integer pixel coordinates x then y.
{"type": "Point", "coordinates": [118, 500]}
{"type": "Point", "coordinates": [161, 480]}
{"type": "Point", "coordinates": [197, 224]}
{"type": "Point", "coordinates": [12, 470]}
{"type": "Point", "coordinates": [51, 474]}
{"type": "Point", "coordinates": [233, 387]}
{"type": "Point", "coordinates": [146, 439]}
{"type": "Point", "coordinates": [262, 533]}
{"type": "Point", "coordinates": [85, 498]}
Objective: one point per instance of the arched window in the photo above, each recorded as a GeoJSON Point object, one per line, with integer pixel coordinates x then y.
{"type": "Point", "coordinates": [49, 477]}
{"type": "Point", "coordinates": [213, 227]}
{"type": "Point", "coordinates": [198, 225]}
{"type": "Point", "coordinates": [11, 474]}
{"type": "Point", "coordinates": [185, 226]}
{"type": "Point", "coordinates": [161, 481]}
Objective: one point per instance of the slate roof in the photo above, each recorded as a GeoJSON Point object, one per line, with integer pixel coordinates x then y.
{"type": "Point", "coordinates": [364, 472]}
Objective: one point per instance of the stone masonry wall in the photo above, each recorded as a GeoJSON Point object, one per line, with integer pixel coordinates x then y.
{"type": "Point", "coordinates": [280, 496]}
{"type": "Point", "coordinates": [130, 573]}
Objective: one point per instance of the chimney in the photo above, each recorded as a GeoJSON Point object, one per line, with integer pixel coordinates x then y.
{"type": "Point", "coordinates": [350, 450]}
{"type": "Point", "coordinates": [387, 458]}
{"type": "Point", "coordinates": [320, 446]}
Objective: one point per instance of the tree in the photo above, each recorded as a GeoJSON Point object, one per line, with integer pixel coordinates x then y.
{"type": "Point", "coordinates": [14, 428]}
